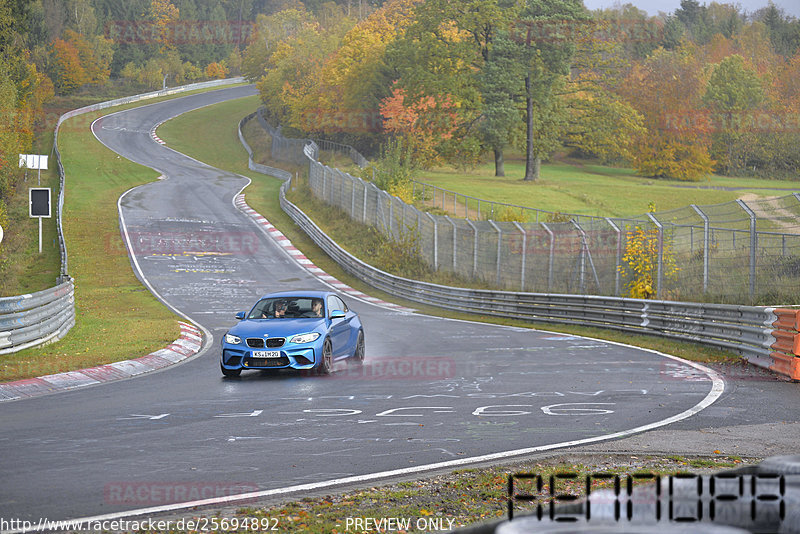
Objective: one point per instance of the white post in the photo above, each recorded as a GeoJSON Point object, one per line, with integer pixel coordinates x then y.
{"type": "Point", "coordinates": [524, 252]}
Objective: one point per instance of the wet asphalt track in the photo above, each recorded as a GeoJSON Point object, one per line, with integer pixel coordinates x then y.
{"type": "Point", "coordinates": [432, 390]}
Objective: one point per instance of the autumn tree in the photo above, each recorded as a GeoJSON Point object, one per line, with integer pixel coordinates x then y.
{"type": "Point", "coordinates": [217, 70]}
{"type": "Point", "coordinates": [547, 61]}
{"type": "Point", "coordinates": [442, 56]}
{"type": "Point", "coordinates": [603, 126]}
{"type": "Point", "coordinates": [355, 78]}
{"type": "Point", "coordinates": [433, 62]}
{"type": "Point", "coordinates": [74, 61]}
{"type": "Point", "coordinates": [291, 70]}
{"type": "Point", "coordinates": [418, 138]}
{"type": "Point", "coordinates": [66, 69]}
{"type": "Point", "coordinates": [164, 14]}
{"type": "Point", "coordinates": [733, 92]}
{"type": "Point", "coordinates": [667, 89]}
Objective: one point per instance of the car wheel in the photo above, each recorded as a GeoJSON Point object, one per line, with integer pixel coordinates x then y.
{"type": "Point", "coordinates": [326, 363]}
{"type": "Point", "coordinates": [230, 373]}
{"type": "Point", "coordinates": [358, 355]}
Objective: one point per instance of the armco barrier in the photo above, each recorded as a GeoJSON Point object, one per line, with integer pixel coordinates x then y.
{"type": "Point", "coordinates": [258, 167]}
{"type": "Point", "coordinates": [46, 316]}
{"type": "Point", "coordinates": [29, 320]}
{"type": "Point", "coordinates": [750, 331]}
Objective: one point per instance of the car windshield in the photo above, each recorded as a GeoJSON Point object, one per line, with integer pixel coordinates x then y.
{"type": "Point", "coordinates": [288, 308]}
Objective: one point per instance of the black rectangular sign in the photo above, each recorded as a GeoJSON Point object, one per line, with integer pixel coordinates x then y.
{"type": "Point", "coordinates": [39, 201]}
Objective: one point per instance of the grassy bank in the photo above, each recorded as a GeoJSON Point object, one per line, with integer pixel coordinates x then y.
{"type": "Point", "coordinates": [116, 317]}
{"type": "Point", "coordinates": [586, 189]}
{"type": "Point", "coordinates": [22, 268]}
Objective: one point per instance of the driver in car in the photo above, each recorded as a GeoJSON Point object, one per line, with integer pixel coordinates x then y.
{"type": "Point", "coordinates": [279, 313]}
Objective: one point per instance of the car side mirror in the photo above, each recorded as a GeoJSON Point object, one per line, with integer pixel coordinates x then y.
{"type": "Point", "coordinates": [241, 315]}
{"type": "Point", "coordinates": [337, 314]}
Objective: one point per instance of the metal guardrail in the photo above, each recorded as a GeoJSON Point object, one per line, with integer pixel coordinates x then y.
{"type": "Point", "coordinates": [36, 318]}
{"type": "Point", "coordinates": [258, 167]}
{"type": "Point", "coordinates": [46, 316]}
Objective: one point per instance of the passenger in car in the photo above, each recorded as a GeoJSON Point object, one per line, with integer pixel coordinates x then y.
{"type": "Point", "coordinates": [316, 307]}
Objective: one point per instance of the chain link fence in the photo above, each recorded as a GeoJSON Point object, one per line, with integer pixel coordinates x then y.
{"type": "Point", "coordinates": [741, 251]}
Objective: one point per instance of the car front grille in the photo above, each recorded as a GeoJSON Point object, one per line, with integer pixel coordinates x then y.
{"type": "Point", "coordinates": [255, 342]}
{"type": "Point", "coordinates": [275, 342]}
{"type": "Point", "coordinates": [272, 343]}
{"type": "Point", "coordinates": [266, 362]}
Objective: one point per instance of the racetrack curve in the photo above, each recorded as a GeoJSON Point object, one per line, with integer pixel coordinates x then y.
{"type": "Point", "coordinates": [431, 391]}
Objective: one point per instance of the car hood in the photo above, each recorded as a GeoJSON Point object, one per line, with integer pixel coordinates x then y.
{"type": "Point", "coordinates": [276, 327]}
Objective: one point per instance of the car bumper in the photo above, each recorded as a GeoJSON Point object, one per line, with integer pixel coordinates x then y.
{"type": "Point", "coordinates": [291, 358]}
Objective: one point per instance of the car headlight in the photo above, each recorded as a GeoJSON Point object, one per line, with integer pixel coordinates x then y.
{"type": "Point", "coordinates": [233, 340]}
{"type": "Point", "coordinates": [305, 338]}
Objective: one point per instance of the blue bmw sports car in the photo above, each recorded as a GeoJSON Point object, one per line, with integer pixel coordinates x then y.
{"type": "Point", "coordinates": [293, 329]}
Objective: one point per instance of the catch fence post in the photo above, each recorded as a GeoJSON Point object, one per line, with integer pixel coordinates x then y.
{"type": "Point", "coordinates": [550, 261]}
{"type": "Point", "coordinates": [524, 255]}
{"type": "Point", "coordinates": [618, 260]}
{"type": "Point", "coordinates": [455, 250]}
{"type": "Point", "coordinates": [753, 245]}
{"type": "Point", "coordinates": [660, 268]}
{"type": "Point", "coordinates": [706, 243]}
{"type": "Point", "coordinates": [435, 241]}
{"type": "Point", "coordinates": [499, 249]}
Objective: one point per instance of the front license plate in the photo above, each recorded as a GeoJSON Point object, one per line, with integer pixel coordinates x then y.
{"type": "Point", "coordinates": [266, 354]}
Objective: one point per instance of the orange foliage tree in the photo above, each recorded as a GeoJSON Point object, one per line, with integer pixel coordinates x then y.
{"type": "Point", "coordinates": [66, 67]}
{"type": "Point", "coordinates": [667, 89]}
{"type": "Point", "coordinates": [423, 124]}
{"type": "Point", "coordinates": [217, 70]}
{"type": "Point", "coordinates": [352, 77]}
{"type": "Point", "coordinates": [75, 61]}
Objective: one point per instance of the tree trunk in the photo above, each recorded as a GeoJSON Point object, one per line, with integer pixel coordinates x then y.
{"type": "Point", "coordinates": [531, 174]}
{"type": "Point", "coordinates": [499, 167]}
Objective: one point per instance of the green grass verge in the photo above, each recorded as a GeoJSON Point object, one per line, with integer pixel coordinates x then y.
{"type": "Point", "coordinates": [22, 268]}
{"type": "Point", "coordinates": [588, 189]}
{"type": "Point", "coordinates": [116, 317]}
